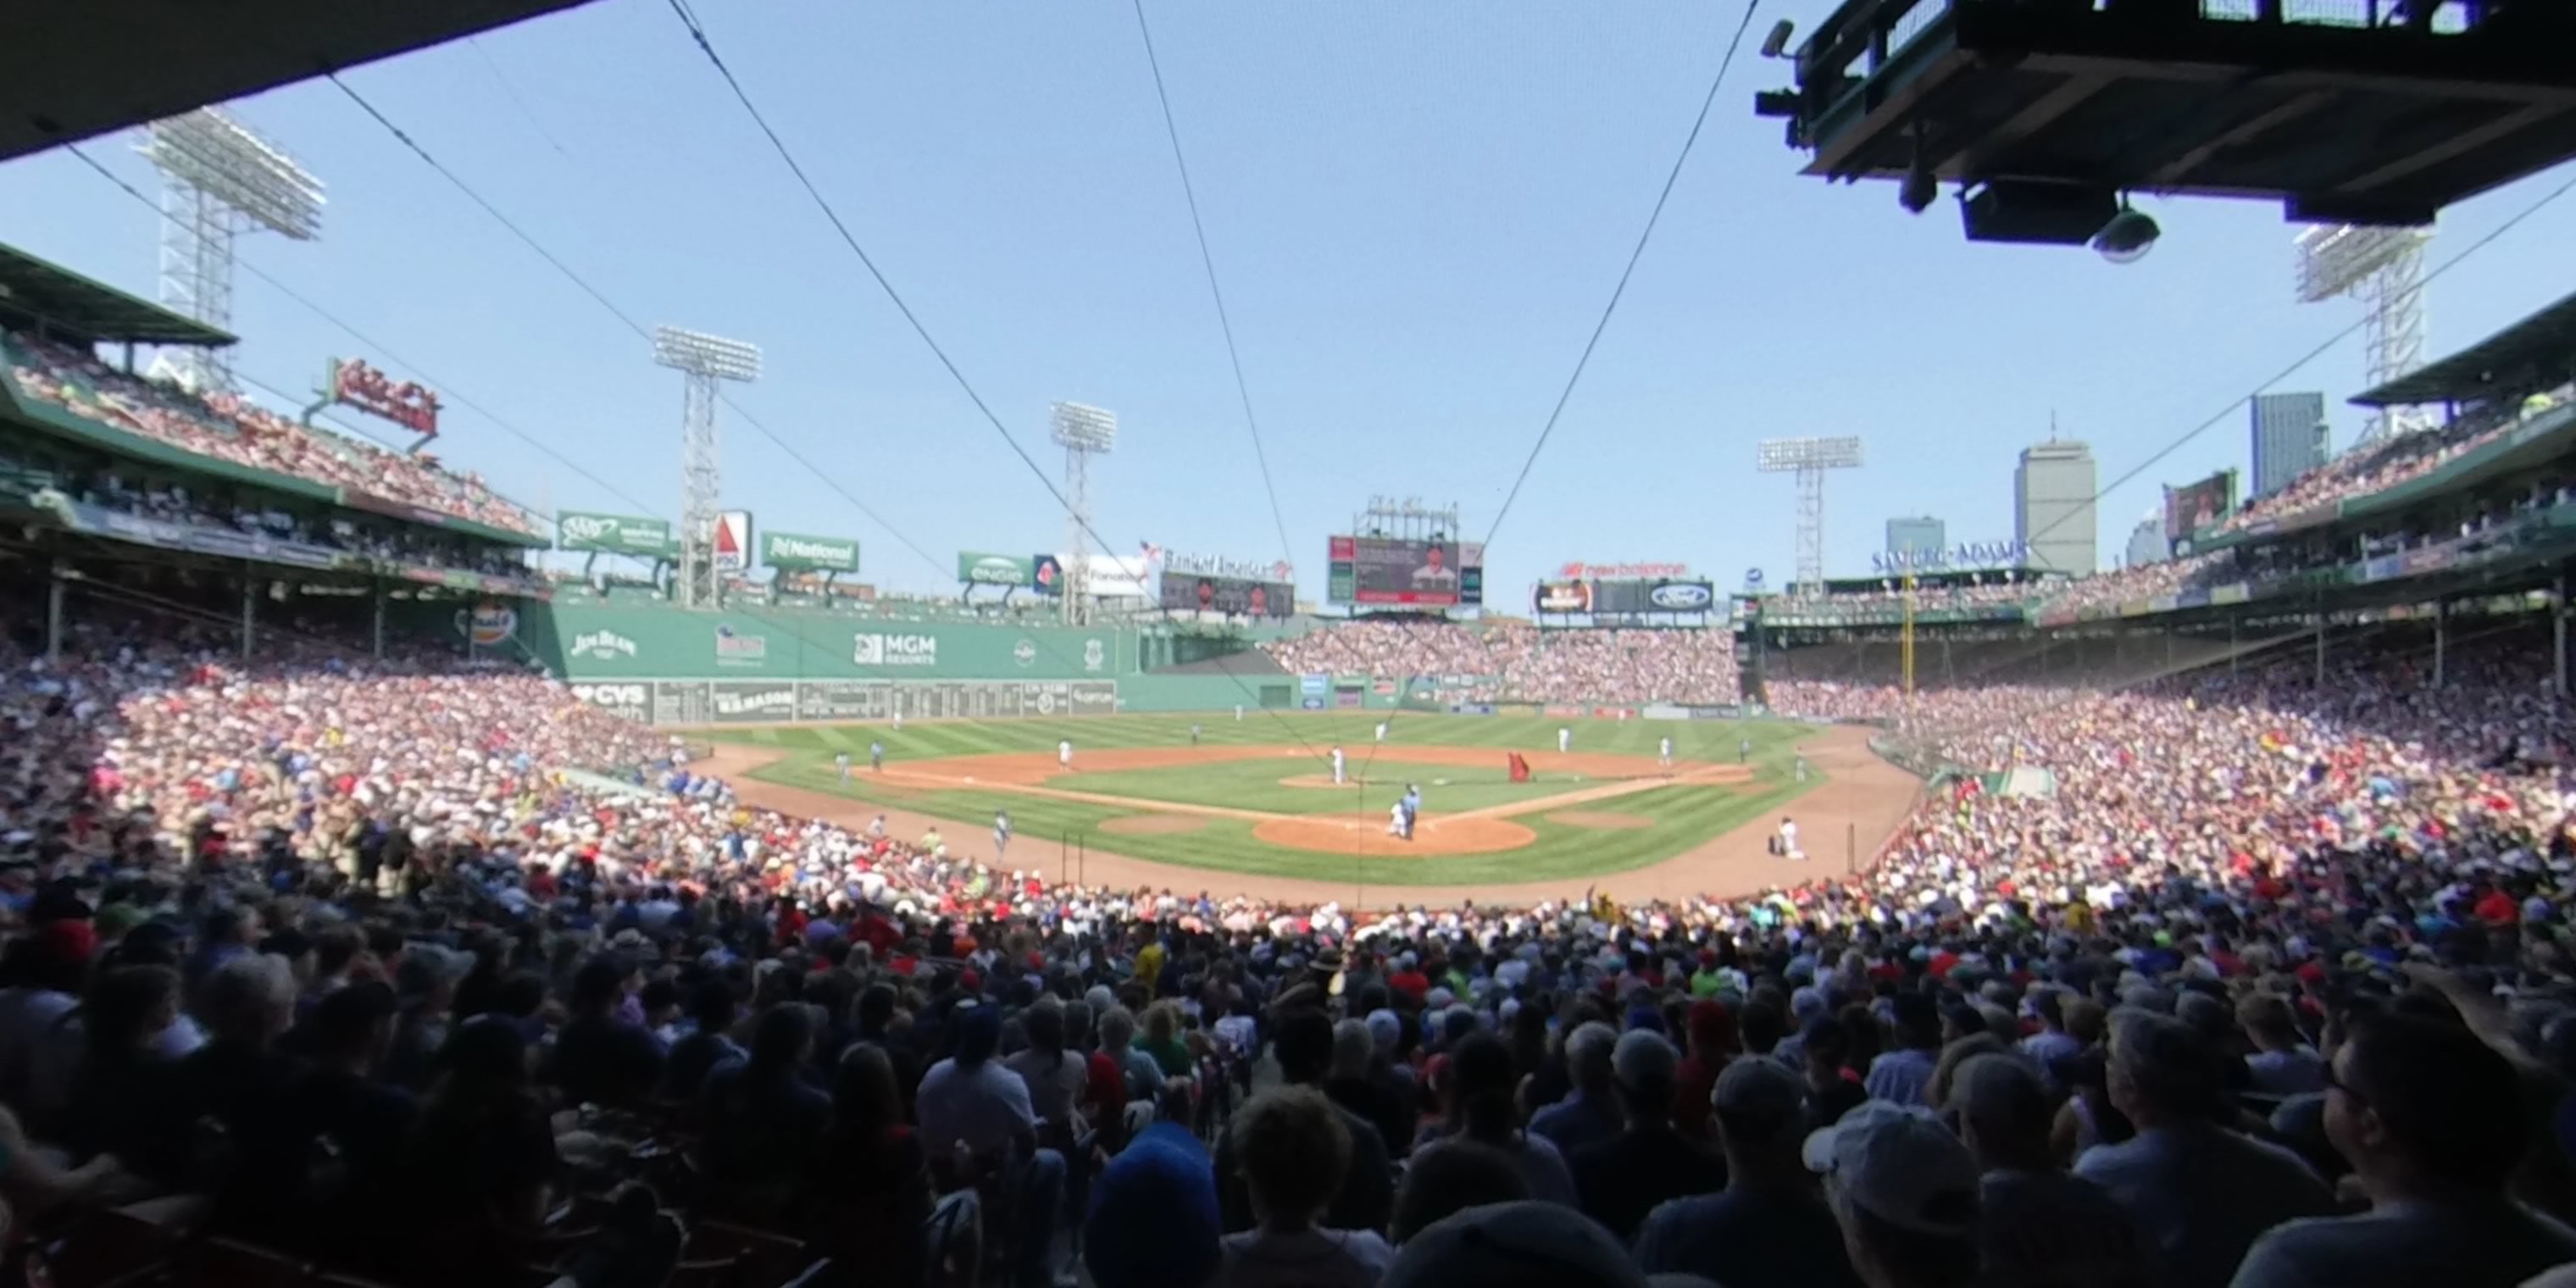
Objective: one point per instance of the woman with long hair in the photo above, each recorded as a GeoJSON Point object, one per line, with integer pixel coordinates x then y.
{"type": "Point", "coordinates": [871, 1182]}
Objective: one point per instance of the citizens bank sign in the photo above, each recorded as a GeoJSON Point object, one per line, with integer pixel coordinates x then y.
{"type": "Point", "coordinates": [895, 650]}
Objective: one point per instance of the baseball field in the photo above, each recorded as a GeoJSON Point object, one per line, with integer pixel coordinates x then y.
{"type": "Point", "coordinates": [1145, 800]}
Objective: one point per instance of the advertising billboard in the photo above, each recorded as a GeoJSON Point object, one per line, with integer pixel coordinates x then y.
{"type": "Point", "coordinates": [733, 540]}
{"type": "Point", "coordinates": [1562, 597]}
{"type": "Point", "coordinates": [2195, 506]}
{"type": "Point", "coordinates": [796, 552]}
{"type": "Point", "coordinates": [1414, 573]}
{"type": "Point", "coordinates": [1239, 596]}
{"type": "Point", "coordinates": [979, 568]}
{"type": "Point", "coordinates": [1632, 595]}
{"type": "Point", "coordinates": [614, 534]}
{"type": "Point", "coordinates": [1046, 575]}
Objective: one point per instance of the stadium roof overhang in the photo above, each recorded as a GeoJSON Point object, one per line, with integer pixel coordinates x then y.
{"type": "Point", "coordinates": [37, 294]}
{"type": "Point", "coordinates": [2055, 108]}
{"type": "Point", "coordinates": [2538, 352]}
{"type": "Point", "coordinates": [71, 71]}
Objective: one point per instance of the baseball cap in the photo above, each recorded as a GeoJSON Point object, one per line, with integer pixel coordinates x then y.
{"type": "Point", "coordinates": [1899, 1164]}
{"type": "Point", "coordinates": [1758, 1090]}
{"type": "Point", "coordinates": [1643, 1059]}
{"type": "Point", "coordinates": [1509, 1245]}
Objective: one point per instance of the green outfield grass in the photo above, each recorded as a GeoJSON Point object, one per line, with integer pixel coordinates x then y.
{"type": "Point", "coordinates": [1682, 816]}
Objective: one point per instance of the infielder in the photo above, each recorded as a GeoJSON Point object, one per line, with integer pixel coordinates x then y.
{"type": "Point", "coordinates": [1789, 839]}
{"type": "Point", "coordinates": [1802, 769]}
{"type": "Point", "coordinates": [1337, 765]}
{"type": "Point", "coordinates": [1395, 820]}
{"type": "Point", "coordinates": [1564, 739]}
{"type": "Point", "coordinates": [1064, 753]}
{"type": "Point", "coordinates": [876, 757]}
{"type": "Point", "coordinates": [841, 761]}
{"type": "Point", "coordinates": [1001, 833]}
{"type": "Point", "coordinates": [1664, 751]}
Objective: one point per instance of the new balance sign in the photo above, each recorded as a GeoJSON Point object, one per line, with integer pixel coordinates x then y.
{"type": "Point", "coordinates": [895, 650]}
{"type": "Point", "coordinates": [1681, 596]}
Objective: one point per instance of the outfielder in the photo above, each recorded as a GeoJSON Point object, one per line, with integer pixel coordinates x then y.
{"type": "Point", "coordinates": [1564, 739]}
{"type": "Point", "coordinates": [841, 761]}
{"type": "Point", "coordinates": [1194, 733]}
{"type": "Point", "coordinates": [1064, 753]}
{"type": "Point", "coordinates": [1664, 751]}
{"type": "Point", "coordinates": [1337, 765]}
{"type": "Point", "coordinates": [1381, 731]}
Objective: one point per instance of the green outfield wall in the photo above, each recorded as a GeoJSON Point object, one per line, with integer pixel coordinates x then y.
{"type": "Point", "coordinates": [610, 642]}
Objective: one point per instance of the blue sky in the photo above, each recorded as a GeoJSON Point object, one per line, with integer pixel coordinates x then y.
{"type": "Point", "coordinates": [1417, 210]}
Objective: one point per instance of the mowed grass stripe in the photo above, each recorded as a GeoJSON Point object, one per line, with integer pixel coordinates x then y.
{"type": "Point", "coordinates": [1683, 816]}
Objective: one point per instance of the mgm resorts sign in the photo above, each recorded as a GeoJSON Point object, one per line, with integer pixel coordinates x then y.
{"type": "Point", "coordinates": [1974, 554]}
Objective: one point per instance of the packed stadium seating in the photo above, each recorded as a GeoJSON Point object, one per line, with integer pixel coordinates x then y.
{"type": "Point", "coordinates": [1524, 663]}
{"type": "Point", "coordinates": [228, 428]}
{"type": "Point", "coordinates": [277, 882]}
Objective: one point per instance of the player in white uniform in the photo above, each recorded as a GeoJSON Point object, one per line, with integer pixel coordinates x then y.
{"type": "Point", "coordinates": [1064, 752]}
{"type": "Point", "coordinates": [1381, 731]}
{"type": "Point", "coordinates": [842, 762]}
{"type": "Point", "coordinates": [1337, 766]}
{"type": "Point", "coordinates": [1664, 751]}
{"type": "Point", "coordinates": [1564, 739]}
{"type": "Point", "coordinates": [1789, 839]}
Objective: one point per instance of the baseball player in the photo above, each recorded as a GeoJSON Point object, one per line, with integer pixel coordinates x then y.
{"type": "Point", "coordinates": [1802, 768]}
{"type": "Point", "coordinates": [876, 757]}
{"type": "Point", "coordinates": [1194, 733]}
{"type": "Point", "coordinates": [1381, 731]}
{"type": "Point", "coordinates": [1564, 739]}
{"type": "Point", "coordinates": [1743, 751]}
{"type": "Point", "coordinates": [1395, 821]}
{"type": "Point", "coordinates": [841, 761]}
{"type": "Point", "coordinates": [1001, 833]}
{"type": "Point", "coordinates": [1064, 753]}
{"type": "Point", "coordinates": [898, 722]}
{"type": "Point", "coordinates": [1789, 839]}
{"type": "Point", "coordinates": [1238, 713]}
{"type": "Point", "coordinates": [1664, 751]}
{"type": "Point", "coordinates": [1337, 765]}
{"type": "Point", "coordinates": [1412, 808]}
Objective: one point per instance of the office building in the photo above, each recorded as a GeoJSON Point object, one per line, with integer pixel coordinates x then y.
{"type": "Point", "coordinates": [1924, 536]}
{"type": "Point", "coordinates": [2147, 542]}
{"type": "Point", "coordinates": [2290, 438]}
{"type": "Point", "coordinates": [2053, 506]}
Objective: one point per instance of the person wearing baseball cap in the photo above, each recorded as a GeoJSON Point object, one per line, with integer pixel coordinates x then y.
{"type": "Point", "coordinates": [1621, 1179]}
{"type": "Point", "coordinates": [1905, 1192]}
{"type": "Point", "coordinates": [1766, 1229]}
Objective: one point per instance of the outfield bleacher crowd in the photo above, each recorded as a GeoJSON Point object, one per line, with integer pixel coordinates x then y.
{"type": "Point", "coordinates": [321, 961]}
{"type": "Point", "coordinates": [225, 427]}
{"type": "Point", "coordinates": [1524, 663]}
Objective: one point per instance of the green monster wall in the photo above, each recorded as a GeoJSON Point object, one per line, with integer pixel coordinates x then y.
{"type": "Point", "coordinates": [665, 665]}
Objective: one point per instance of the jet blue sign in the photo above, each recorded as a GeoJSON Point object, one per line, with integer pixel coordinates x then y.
{"type": "Point", "coordinates": [1975, 554]}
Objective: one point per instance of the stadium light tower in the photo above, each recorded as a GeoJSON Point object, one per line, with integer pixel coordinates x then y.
{"type": "Point", "coordinates": [219, 180]}
{"type": "Point", "coordinates": [1809, 458]}
{"type": "Point", "coordinates": [703, 359]}
{"type": "Point", "coordinates": [1082, 432]}
{"type": "Point", "coordinates": [2384, 269]}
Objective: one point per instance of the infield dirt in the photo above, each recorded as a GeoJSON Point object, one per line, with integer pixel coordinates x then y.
{"type": "Point", "coordinates": [1859, 805]}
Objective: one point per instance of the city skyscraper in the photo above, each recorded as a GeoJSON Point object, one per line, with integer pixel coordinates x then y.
{"type": "Point", "coordinates": [2053, 506]}
{"type": "Point", "coordinates": [2290, 438]}
{"type": "Point", "coordinates": [2147, 541]}
{"type": "Point", "coordinates": [1922, 534]}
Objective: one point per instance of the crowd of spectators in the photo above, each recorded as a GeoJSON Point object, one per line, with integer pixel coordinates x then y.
{"type": "Point", "coordinates": [353, 962]}
{"type": "Point", "coordinates": [212, 505]}
{"type": "Point", "coordinates": [226, 427]}
{"type": "Point", "coordinates": [1523, 663]}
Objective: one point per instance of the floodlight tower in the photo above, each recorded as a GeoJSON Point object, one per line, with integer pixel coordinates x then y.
{"type": "Point", "coordinates": [2384, 269]}
{"type": "Point", "coordinates": [1809, 458]}
{"type": "Point", "coordinates": [219, 180]}
{"type": "Point", "coordinates": [702, 360]}
{"type": "Point", "coordinates": [1082, 432]}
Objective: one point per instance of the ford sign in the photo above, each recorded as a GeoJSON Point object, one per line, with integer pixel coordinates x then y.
{"type": "Point", "coordinates": [1681, 596]}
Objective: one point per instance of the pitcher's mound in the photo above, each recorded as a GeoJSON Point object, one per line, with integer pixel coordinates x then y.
{"type": "Point", "coordinates": [1600, 820]}
{"type": "Point", "coordinates": [1153, 824]}
{"type": "Point", "coordinates": [1366, 835]}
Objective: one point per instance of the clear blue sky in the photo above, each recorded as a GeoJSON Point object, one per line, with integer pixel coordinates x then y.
{"type": "Point", "coordinates": [1417, 211]}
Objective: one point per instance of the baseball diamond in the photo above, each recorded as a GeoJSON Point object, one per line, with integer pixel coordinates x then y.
{"type": "Point", "coordinates": [1255, 799]}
